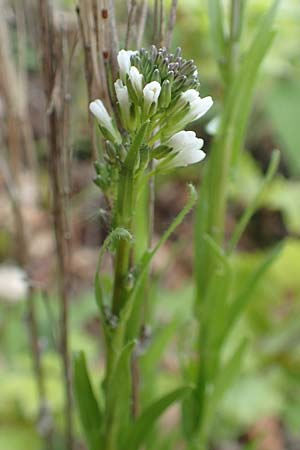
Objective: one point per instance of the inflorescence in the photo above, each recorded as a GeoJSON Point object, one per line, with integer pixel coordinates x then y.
{"type": "Point", "coordinates": [162, 89]}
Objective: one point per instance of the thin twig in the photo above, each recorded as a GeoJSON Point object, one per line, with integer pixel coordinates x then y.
{"type": "Point", "coordinates": [171, 24]}
{"type": "Point", "coordinates": [88, 77]}
{"type": "Point", "coordinates": [130, 22]}
{"type": "Point", "coordinates": [52, 49]}
{"type": "Point", "coordinates": [155, 23]}
{"type": "Point", "coordinates": [142, 23]}
{"type": "Point", "coordinates": [161, 24]}
{"type": "Point", "coordinates": [114, 40]}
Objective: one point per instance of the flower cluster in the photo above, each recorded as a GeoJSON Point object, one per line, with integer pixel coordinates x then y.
{"type": "Point", "coordinates": [163, 89]}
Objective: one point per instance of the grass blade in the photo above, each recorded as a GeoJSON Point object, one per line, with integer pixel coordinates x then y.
{"type": "Point", "coordinates": [241, 226]}
{"type": "Point", "coordinates": [143, 426]}
{"type": "Point", "coordinates": [89, 409]}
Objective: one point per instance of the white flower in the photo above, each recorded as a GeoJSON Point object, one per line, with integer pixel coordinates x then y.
{"type": "Point", "coordinates": [123, 97]}
{"type": "Point", "coordinates": [124, 62]}
{"type": "Point", "coordinates": [188, 96]}
{"type": "Point", "coordinates": [151, 92]}
{"type": "Point", "coordinates": [187, 148]}
{"type": "Point", "coordinates": [100, 112]}
{"type": "Point", "coordinates": [136, 79]}
{"type": "Point", "coordinates": [13, 284]}
{"type": "Point", "coordinates": [198, 106]}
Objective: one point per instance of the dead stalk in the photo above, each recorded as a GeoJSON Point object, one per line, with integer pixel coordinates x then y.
{"type": "Point", "coordinates": [130, 23]}
{"type": "Point", "coordinates": [171, 24]}
{"type": "Point", "coordinates": [161, 35]}
{"type": "Point", "coordinates": [55, 90]}
{"type": "Point", "coordinates": [19, 132]}
{"type": "Point", "coordinates": [142, 23]}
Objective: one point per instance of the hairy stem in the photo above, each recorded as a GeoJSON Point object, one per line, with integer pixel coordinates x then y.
{"type": "Point", "coordinates": [124, 219]}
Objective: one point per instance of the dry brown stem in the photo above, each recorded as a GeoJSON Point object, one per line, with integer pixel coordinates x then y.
{"type": "Point", "coordinates": [13, 82]}
{"type": "Point", "coordinates": [142, 23]}
{"type": "Point", "coordinates": [171, 24]}
{"type": "Point", "coordinates": [55, 78]}
{"type": "Point", "coordinates": [131, 20]}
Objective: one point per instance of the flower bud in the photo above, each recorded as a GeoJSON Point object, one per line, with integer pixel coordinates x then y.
{"type": "Point", "coordinates": [144, 158]}
{"type": "Point", "coordinates": [165, 96]}
{"type": "Point", "coordinates": [133, 117]}
{"type": "Point", "coordinates": [151, 93]}
{"type": "Point", "coordinates": [136, 79]}
{"type": "Point", "coordinates": [105, 121]}
{"type": "Point", "coordinates": [124, 62]}
{"type": "Point", "coordinates": [161, 151]}
{"type": "Point", "coordinates": [111, 151]}
{"type": "Point", "coordinates": [124, 102]}
{"type": "Point", "coordinates": [155, 76]}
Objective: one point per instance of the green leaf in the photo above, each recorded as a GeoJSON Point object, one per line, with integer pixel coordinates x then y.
{"type": "Point", "coordinates": [215, 303]}
{"type": "Point", "coordinates": [226, 149]}
{"type": "Point", "coordinates": [89, 409]}
{"type": "Point", "coordinates": [144, 264]}
{"type": "Point", "coordinates": [153, 354]}
{"type": "Point", "coordinates": [140, 430]}
{"type": "Point", "coordinates": [218, 388]}
{"type": "Point", "coordinates": [241, 226]}
{"type": "Point", "coordinates": [242, 300]}
{"type": "Point", "coordinates": [136, 145]}
{"type": "Point", "coordinates": [245, 79]}
{"type": "Point", "coordinates": [119, 392]}
{"type": "Point", "coordinates": [283, 106]}
{"type": "Point", "coordinates": [217, 29]}
{"type": "Point", "coordinates": [109, 243]}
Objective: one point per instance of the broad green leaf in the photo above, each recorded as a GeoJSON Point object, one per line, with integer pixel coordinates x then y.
{"type": "Point", "coordinates": [89, 410]}
{"type": "Point", "coordinates": [140, 429]}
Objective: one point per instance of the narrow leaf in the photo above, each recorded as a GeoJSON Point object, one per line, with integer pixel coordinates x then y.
{"type": "Point", "coordinates": [241, 226]}
{"type": "Point", "coordinates": [140, 430]}
{"type": "Point", "coordinates": [89, 409]}
{"type": "Point", "coordinates": [110, 242]}
{"type": "Point", "coordinates": [222, 383]}
{"type": "Point", "coordinates": [119, 390]}
{"type": "Point", "coordinates": [243, 298]}
{"type": "Point", "coordinates": [217, 29]}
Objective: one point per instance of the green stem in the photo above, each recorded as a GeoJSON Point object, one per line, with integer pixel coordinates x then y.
{"type": "Point", "coordinates": [125, 207]}
{"type": "Point", "coordinates": [124, 219]}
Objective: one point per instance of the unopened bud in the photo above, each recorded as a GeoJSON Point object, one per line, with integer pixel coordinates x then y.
{"type": "Point", "coordinates": [165, 95]}
{"type": "Point", "coordinates": [155, 76]}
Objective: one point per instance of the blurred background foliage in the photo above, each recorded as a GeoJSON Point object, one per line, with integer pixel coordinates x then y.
{"type": "Point", "coordinates": [268, 390]}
